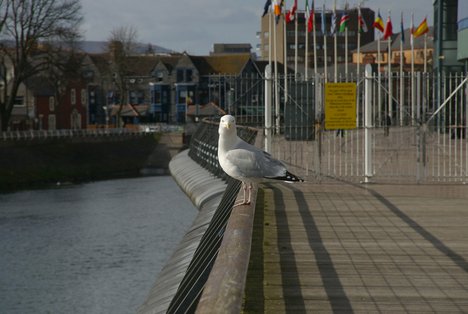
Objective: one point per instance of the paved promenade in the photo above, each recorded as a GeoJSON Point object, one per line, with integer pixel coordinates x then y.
{"type": "Point", "coordinates": [341, 248]}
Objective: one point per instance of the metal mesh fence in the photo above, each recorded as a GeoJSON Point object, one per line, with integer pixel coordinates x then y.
{"type": "Point", "coordinates": [417, 129]}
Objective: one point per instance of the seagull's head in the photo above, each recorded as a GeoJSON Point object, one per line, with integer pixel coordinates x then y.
{"type": "Point", "coordinates": [227, 122]}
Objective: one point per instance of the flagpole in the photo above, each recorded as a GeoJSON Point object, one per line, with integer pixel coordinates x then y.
{"type": "Point", "coordinates": [269, 38]}
{"type": "Point", "coordinates": [389, 43]}
{"type": "Point", "coordinates": [295, 43]}
{"type": "Point", "coordinates": [314, 34]}
{"type": "Point", "coordinates": [346, 46]}
{"type": "Point", "coordinates": [413, 94]}
{"type": "Point", "coordinates": [425, 53]}
{"type": "Point", "coordinates": [358, 61]}
{"type": "Point", "coordinates": [325, 57]}
{"type": "Point", "coordinates": [285, 62]}
{"type": "Point", "coordinates": [306, 18]}
{"type": "Point", "coordinates": [275, 48]}
{"type": "Point", "coordinates": [379, 77]}
{"type": "Point", "coordinates": [401, 70]}
{"type": "Point", "coordinates": [335, 46]}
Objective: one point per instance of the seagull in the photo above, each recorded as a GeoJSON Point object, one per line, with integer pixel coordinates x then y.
{"type": "Point", "coordinates": [245, 162]}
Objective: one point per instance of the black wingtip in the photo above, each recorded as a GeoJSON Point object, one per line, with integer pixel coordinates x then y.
{"type": "Point", "coordinates": [288, 177]}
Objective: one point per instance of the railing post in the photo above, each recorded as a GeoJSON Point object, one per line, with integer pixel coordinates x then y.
{"type": "Point", "coordinates": [368, 124]}
{"type": "Point", "coordinates": [268, 118]}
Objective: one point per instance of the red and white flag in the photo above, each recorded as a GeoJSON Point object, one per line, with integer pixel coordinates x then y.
{"type": "Point", "coordinates": [291, 14]}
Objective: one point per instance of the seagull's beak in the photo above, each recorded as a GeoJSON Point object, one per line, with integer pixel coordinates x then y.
{"type": "Point", "coordinates": [228, 125]}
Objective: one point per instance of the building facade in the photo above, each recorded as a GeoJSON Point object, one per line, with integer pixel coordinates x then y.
{"type": "Point", "coordinates": [462, 40]}
{"type": "Point", "coordinates": [446, 31]}
{"type": "Point", "coordinates": [401, 52]}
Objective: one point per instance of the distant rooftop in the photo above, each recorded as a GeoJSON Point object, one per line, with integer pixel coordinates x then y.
{"type": "Point", "coordinates": [222, 48]}
{"type": "Point", "coordinates": [95, 47]}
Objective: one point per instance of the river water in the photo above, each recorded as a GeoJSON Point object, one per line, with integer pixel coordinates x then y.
{"type": "Point", "coordinates": [90, 248]}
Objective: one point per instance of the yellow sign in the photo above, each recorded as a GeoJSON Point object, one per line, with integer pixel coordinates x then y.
{"type": "Point", "coordinates": [340, 106]}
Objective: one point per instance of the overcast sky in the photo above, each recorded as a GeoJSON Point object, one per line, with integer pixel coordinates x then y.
{"type": "Point", "coordinates": [195, 25]}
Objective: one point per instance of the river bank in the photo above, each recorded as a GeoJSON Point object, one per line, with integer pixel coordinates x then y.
{"type": "Point", "coordinates": [44, 162]}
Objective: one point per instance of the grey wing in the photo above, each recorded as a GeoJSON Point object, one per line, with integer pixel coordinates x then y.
{"type": "Point", "coordinates": [255, 163]}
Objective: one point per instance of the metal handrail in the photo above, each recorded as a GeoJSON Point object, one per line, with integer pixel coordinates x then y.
{"type": "Point", "coordinates": [66, 133]}
{"type": "Point", "coordinates": [203, 150]}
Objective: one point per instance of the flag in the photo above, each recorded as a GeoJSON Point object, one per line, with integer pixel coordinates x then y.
{"type": "Point", "coordinates": [278, 7]}
{"type": "Point", "coordinates": [324, 31]}
{"type": "Point", "coordinates": [344, 22]}
{"type": "Point", "coordinates": [421, 29]}
{"type": "Point", "coordinates": [310, 14]}
{"type": "Point", "coordinates": [266, 8]}
{"type": "Point", "coordinates": [378, 23]}
{"type": "Point", "coordinates": [402, 29]}
{"type": "Point", "coordinates": [333, 23]}
{"type": "Point", "coordinates": [388, 32]}
{"type": "Point", "coordinates": [361, 22]}
{"type": "Point", "coordinates": [291, 14]}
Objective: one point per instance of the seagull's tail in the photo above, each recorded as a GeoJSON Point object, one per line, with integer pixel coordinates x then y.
{"type": "Point", "coordinates": [288, 177]}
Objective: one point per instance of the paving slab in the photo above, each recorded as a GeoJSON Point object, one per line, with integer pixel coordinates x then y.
{"type": "Point", "coordinates": [341, 247]}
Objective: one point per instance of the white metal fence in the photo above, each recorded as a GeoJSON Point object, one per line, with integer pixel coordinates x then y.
{"type": "Point", "coordinates": [416, 128]}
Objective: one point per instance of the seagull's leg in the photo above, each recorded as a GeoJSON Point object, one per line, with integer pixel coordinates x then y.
{"type": "Point", "coordinates": [247, 194]}
{"type": "Point", "coordinates": [244, 185]}
{"type": "Point", "coordinates": [244, 188]}
{"type": "Point", "coordinates": [250, 193]}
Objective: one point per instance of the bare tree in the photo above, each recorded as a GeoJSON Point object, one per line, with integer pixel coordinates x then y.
{"type": "Point", "coordinates": [122, 45]}
{"type": "Point", "coordinates": [32, 34]}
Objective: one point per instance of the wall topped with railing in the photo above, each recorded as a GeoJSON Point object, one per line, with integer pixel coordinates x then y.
{"type": "Point", "coordinates": [203, 150]}
{"type": "Point", "coordinates": [68, 133]}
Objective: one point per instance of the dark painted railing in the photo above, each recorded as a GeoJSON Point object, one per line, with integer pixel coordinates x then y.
{"type": "Point", "coordinates": [203, 150]}
{"type": "Point", "coordinates": [68, 133]}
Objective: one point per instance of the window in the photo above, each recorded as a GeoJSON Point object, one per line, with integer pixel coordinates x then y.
{"type": "Point", "coordinates": [92, 97]}
{"type": "Point", "coordinates": [180, 75]}
{"type": "Point", "coordinates": [83, 97]}
{"type": "Point", "coordinates": [73, 96]}
{"type": "Point", "coordinates": [182, 96]}
{"type": "Point", "coordinates": [51, 103]}
{"type": "Point", "coordinates": [75, 120]}
{"type": "Point", "coordinates": [159, 75]}
{"type": "Point", "coordinates": [188, 75]}
{"type": "Point", "coordinates": [19, 101]}
{"type": "Point", "coordinates": [157, 97]}
{"type": "Point", "coordinates": [51, 122]}
{"type": "Point", "coordinates": [449, 21]}
{"type": "Point", "coordinates": [185, 96]}
{"type": "Point", "coordinates": [184, 75]}
{"type": "Point", "coordinates": [88, 74]}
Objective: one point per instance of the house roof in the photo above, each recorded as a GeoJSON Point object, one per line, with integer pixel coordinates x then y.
{"type": "Point", "coordinates": [40, 86]}
{"type": "Point", "coordinates": [130, 110]}
{"type": "Point", "coordinates": [142, 65]}
{"type": "Point", "coordinates": [220, 64]}
{"type": "Point", "coordinates": [101, 61]}
{"type": "Point", "coordinates": [170, 61]}
{"type": "Point", "coordinates": [208, 110]}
